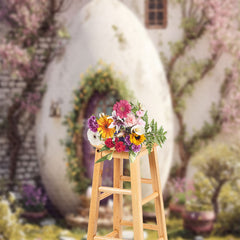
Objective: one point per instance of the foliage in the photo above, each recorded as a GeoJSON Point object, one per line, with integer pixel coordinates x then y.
{"type": "Point", "coordinates": [203, 191]}
{"type": "Point", "coordinates": [195, 206]}
{"type": "Point", "coordinates": [33, 198]}
{"type": "Point", "coordinates": [229, 216]}
{"type": "Point", "coordinates": [27, 23]}
{"type": "Point", "coordinates": [99, 79]}
{"type": "Point", "coordinates": [230, 110]}
{"type": "Point", "coordinates": [184, 70]}
{"type": "Point", "coordinates": [119, 35]}
{"type": "Point", "coordinates": [176, 232]}
{"type": "Point", "coordinates": [51, 232]}
{"type": "Point", "coordinates": [148, 207]}
{"type": "Point", "coordinates": [26, 15]}
{"type": "Point", "coordinates": [218, 162]}
{"type": "Point", "coordinates": [181, 190]}
{"type": "Point", "coordinates": [217, 165]}
{"type": "Point", "coordinates": [223, 24]}
{"type": "Point", "coordinates": [204, 135]}
{"type": "Point", "coordinates": [10, 228]}
{"type": "Point", "coordinates": [216, 186]}
{"type": "Point", "coordinates": [27, 19]}
{"type": "Point", "coordinates": [153, 133]}
{"type": "Point", "coordinates": [228, 199]}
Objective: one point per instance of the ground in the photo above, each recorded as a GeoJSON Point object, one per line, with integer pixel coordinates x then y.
{"type": "Point", "coordinates": [174, 227]}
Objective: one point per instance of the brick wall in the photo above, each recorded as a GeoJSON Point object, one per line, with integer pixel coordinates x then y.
{"type": "Point", "coordinates": [27, 163]}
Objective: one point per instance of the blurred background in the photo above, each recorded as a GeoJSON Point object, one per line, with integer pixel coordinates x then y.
{"type": "Point", "coordinates": [63, 60]}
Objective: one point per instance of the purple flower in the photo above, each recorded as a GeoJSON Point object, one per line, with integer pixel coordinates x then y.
{"type": "Point", "coordinates": [136, 148]}
{"type": "Point", "coordinates": [126, 149]}
{"type": "Point", "coordinates": [92, 124]}
{"type": "Point", "coordinates": [127, 140]}
{"type": "Point", "coordinates": [33, 198]}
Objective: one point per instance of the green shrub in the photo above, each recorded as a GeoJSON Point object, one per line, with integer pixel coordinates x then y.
{"type": "Point", "coordinates": [10, 228]}
{"type": "Point", "coordinates": [201, 195]}
{"type": "Point", "coordinates": [217, 184]}
{"type": "Point", "coordinates": [229, 216]}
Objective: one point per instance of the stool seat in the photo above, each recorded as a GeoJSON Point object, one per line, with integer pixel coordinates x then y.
{"type": "Point", "coordinates": [123, 155]}
{"type": "Point", "coordinates": [100, 192]}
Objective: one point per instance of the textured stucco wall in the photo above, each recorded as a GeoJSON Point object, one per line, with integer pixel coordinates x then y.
{"type": "Point", "coordinates": [207, 91]}
{"type": "Point", "coordinates": [93, 38]}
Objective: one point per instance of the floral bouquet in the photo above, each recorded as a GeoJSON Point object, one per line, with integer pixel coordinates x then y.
{"type": "Point", "coordinates": [126, 130]}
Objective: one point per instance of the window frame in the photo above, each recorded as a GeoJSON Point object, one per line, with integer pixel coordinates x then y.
{"type": "Point", "coordinates": [148, 23]}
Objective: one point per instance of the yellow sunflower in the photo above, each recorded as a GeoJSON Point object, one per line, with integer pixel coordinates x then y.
{"type": "Point", "coordinates": [104, 130]}
{"type": "Point", "coordinates": [137, 139]}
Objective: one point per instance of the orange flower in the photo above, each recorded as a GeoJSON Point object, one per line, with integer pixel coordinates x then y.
{"type": "Point", "coordinates": [104, 130]}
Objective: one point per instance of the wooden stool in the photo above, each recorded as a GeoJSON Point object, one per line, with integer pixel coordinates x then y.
{"type": "Point", "coordinates": [100, 192]}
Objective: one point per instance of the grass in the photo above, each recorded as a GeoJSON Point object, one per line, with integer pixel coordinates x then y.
{"type": "Point", "coordinates": [174, 228]}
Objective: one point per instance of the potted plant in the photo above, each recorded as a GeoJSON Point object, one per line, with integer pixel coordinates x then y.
{"type": "Point", "coordinates": [180, 189]}
{"type": "Point", "coordinates": [33, 202]}
{"type": "Point", "coordinates": [217, 165]}
{"type": "Point", "coordinates": [198, 217]}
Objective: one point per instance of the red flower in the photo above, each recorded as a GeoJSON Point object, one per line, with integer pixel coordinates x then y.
{"type": "Point", "coordinates": [109, 143]}
{"type": "Point", "coordinates": [120, 147]}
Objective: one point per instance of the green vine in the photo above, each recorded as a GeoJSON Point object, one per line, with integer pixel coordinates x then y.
{"type": "Point", "coordinates": [100, 79]}
{"type": "Point", "coordinates": [184, 70]}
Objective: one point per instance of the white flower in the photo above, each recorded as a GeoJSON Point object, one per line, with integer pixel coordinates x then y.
{"type": "Point", "coordinates": [138, 129]}
{"type": "Point", "coordinates": [101, 115]}
{"type": "Point", "coordinates": [94, 138]}
{"type": "Point", "coordinates": [117, 121]}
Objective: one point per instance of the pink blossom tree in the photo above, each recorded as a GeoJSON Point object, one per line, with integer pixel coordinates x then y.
{"type": "Point", "coordinates": [224, 25]}
{"type": "Point", "coordinates": [28, 22]}
{"type": "Point", "coordinates": [220, 21]}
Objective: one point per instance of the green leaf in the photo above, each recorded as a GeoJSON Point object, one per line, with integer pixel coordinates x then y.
{"type": "Point", "coordinates": [106, 157]}
{"type": "Point", "coordinates": [109, 156]}
{"type": "Point", "coordinates": [63, 33]}
{"type": "Point", "coordinates": [132, 156]}
{"type": "Point", "coordinates": [155, 127]}
{"type": "Point", "coordinates": [104, 148]}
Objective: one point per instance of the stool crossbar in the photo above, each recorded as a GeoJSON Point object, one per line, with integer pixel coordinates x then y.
{"type": "Point", "coordinates": [100, 192]}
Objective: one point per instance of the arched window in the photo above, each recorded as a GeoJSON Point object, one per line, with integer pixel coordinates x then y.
{"type": "Point", "coordinates": [156, 13]}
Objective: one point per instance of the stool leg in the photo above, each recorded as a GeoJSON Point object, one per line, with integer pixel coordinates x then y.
{"type": "Point", "coordinates": [117, 198]}
{"type": "Point", "coordinates": [136, 199]}
{"type": "Point", "coordinates": [94, 205]}
{"type": "Point", "coordinates": [156, 184]}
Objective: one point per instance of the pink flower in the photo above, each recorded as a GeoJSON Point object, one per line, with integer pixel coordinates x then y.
{"type": "Point", "coordinates": [141, 122]}
{"type": "Point", "coordinates": [130, 120]}
{"type": "Point", "coordinates": [140, 113]}
{"type": "Point", "coordinates": [122, 108]}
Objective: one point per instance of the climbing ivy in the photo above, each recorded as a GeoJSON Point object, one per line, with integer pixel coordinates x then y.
{"type": "Point", "coordinates": [100, 79]}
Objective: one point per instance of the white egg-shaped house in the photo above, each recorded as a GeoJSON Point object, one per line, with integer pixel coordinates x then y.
{"type": "Point", "coordinates": [107, 30]}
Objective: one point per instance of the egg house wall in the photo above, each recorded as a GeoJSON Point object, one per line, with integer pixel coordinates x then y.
{"type": "Point", "coordinates": [92, 38]}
